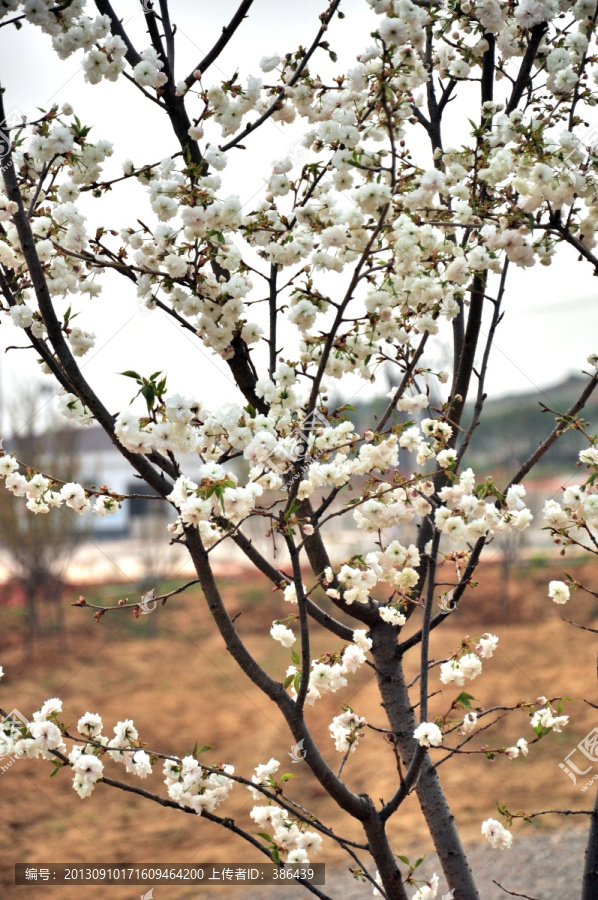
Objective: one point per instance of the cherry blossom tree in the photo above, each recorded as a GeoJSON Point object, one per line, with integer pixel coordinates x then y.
{"type": "Point", "coordinates": [361, 249]}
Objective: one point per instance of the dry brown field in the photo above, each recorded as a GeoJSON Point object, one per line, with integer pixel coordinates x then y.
{"type": "Point", "coordinates": [172, 675]}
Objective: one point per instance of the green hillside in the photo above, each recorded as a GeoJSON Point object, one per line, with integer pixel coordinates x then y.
{"type": "Point", "coordinates": [512, 427]}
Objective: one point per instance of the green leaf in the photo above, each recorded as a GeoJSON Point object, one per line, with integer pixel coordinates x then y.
{"type": "Point", "coordinates": [147, 391]}
{"type": "Point", "coordinates": [404, 859]}
{"type": "Point", "coordinates": [295, 657]}
{"type": "Point", "coordinates": [297, 681]}
{"type": "Point", "coordinates": [287, 776]}
{"type": "Point", "coordinates": [202, 749]}
{"type": "Point", "coordinates": [293, 507]}
{"type": "Point", "coordinates": [275, 855]}
{"type": "Point", "coordinates": [463, 699]}
{"type": "Point", "coordinates": [266, 837]}
{"type": "Point", "coordinates": [130, 374]}
{"type": "Point", "coordinates": [288, 681]}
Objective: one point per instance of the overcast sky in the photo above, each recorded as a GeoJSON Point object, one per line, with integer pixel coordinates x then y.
{"type": "Point", "coordinates": [551, 321]}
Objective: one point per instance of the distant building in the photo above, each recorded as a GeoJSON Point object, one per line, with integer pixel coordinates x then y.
{"type": "Point", "coordinates": [98, 462]}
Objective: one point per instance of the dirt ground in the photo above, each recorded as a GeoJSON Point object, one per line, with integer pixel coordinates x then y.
{"type": "Point", "coordinates": [171, 674]}
{"type": "Point", "coordinates": [544, 866]}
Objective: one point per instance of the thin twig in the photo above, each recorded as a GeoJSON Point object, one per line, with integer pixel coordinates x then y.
{"type": "Point", "coordinates": [512, 893]}
{"type": "Point", "coordinates": [162, 597]}
{"type": "Point", "coordinates": [583, 627]}
{"type": "Point", "coordinates": [559, 429]}
{"type": "Point", "coordinates": [281, 94]}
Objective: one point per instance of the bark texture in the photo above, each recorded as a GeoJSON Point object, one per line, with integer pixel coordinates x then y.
{"type": "Point", "coordinates": [434, 805]}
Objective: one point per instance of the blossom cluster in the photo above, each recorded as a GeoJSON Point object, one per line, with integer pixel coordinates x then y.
{"type": "Point", "coordinates": [428, 734]}
{"type": "Point", "coordinates": [345, 730]}
{"type": "Point", "coordinates": [195, 786]}
{"type": "Point", "coordinates": [467, 664]}
{"type": "Point", "coordinates": [528, 169]}
{"type": "Point", "coordinates": [499, 837]}
{"type": "Point", "coordinates": [547, 719]}
{"type": "Point", "coordinates": [353, 205]}
{"type": "Point", "coordinates": [44, 493]}
{"type": "Point", "coordinates": [290, 835]}
{"type": "Point", "coordinates": [328, 674]}
{"type": "Point", "coordinates": [428, 270]}
{"type": "Point", "coordinates": [215, 494]}
{"type": "Point", "coordinates": [189, 783]}
{"type": "Point", "coordinates": [573, 521]}
{"type": "Point", "coordinates": [467, 517]}
{"type": "Point", "coordinates": [578, 509]}
{"type": "Point", "coordinates": [427, 890]}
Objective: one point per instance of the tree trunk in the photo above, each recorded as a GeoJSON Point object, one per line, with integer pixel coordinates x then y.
{"type": "Point", "coordinates": [506, 564]}
{"type": "Point", "coordinates": [59, 620]}
{"type": "Point", "coordinates": [384, 857]}
{"type": "Point", "coordinates": [440, 821]}
{"type": "Point", "coordinates": [590, 872]}
{"type": "Point", "coordinates": [31, 619]}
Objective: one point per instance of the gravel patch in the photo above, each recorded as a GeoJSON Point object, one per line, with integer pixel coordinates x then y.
{"type": "Point", "coordinates": [543, 866]}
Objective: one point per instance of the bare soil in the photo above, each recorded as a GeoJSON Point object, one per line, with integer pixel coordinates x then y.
{"type": "Point", "coordinates": [170, 672]}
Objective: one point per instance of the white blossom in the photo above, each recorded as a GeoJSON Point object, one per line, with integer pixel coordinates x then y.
{"type": "Point", "coordinates": [498, 836]}
{"type": "Point", "coordinates": [428, 734]}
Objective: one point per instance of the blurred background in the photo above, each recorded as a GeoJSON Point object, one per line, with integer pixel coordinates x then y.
{"type": "Point", "coordinates": [168, 670]}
